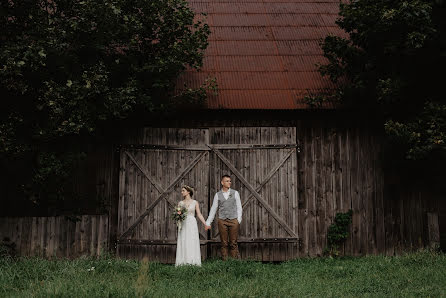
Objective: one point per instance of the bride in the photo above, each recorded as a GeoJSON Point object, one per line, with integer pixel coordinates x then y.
{"type": "Point", "coordinates": [188, 240]}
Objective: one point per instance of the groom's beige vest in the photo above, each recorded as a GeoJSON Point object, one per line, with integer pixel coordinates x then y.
{"type": "Point", "coordinates": [227, 209]}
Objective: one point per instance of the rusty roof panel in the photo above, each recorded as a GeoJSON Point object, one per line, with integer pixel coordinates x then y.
{"type": "Point", "coordinates": [301, 33]}
{"type": "Point", "coordinates": [262, 63]}
{"type": "Point", "coordinates": [276, 19]}
{"type": "Point", "coordinates": [236, 8]}
{"type": "Point", "coordinates": [248, 63]}
{"type": "Point", "coordinates": [255, 99]}
{"type": "Point", "coordinates": [238, 19]}
{"type": "Point", "coordinates": [210, 63]}
{"type": "Point", "coordinates": [264, 54]}
{"type": "Point", "coordinates": [302, 63]}
{"type": "Point", "coordinates": [212, 49]}
{"type": "Point", "coordinates": [308, 8]}
{"type": "Point", "coordinates": [298, 47]}
{"type": "Point", "coordinates": [251, 47]}
{"type": "Point", "coordinates": [252, 80]}
{"type": "Point", "coordinates": [329, 19]}
{"type": "Point", "coordinates": [293, 19]}
{"type": "Point", "coordinates": [241, 33]}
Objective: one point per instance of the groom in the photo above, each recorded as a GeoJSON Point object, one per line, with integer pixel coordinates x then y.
{"type": "Point", "coordinates": [229, 207]}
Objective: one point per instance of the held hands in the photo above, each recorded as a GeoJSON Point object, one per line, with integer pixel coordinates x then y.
{"type": "Point", "coordinates": [207, 227]}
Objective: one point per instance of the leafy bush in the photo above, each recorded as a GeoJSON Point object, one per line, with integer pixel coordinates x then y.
{"type": "Point", "coordinates": [338, 232]}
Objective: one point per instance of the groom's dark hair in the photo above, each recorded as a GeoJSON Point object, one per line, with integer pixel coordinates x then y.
{"type": "Point", "coordinates": [225, 176]}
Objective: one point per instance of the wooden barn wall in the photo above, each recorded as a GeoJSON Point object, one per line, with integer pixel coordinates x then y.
{"type": "Point", "coordinates": [341, 168]}
{"type": "Point", "coordinates": [69, 236]}
{"type": "Point", "coordinates": [338, 168]}
{"type": "Point", "coordinates": [56, 236]}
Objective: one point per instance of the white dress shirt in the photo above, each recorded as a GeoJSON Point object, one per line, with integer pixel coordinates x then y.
{"type": "Point", "coordinates": [215, 206]}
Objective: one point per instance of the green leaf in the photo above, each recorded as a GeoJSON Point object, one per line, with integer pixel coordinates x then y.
{"type": "Point", "coordinates": [42, 53]}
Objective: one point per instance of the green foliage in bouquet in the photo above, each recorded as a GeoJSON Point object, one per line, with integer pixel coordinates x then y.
{"type": "Point", "coordinates": [179, 214]}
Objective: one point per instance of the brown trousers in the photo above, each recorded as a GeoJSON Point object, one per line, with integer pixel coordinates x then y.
{"type": "Point", "coordinates": [228, 228]}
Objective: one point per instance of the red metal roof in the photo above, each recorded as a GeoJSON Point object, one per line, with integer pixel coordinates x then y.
{"type": "Point", "coordinates": [263, 54]}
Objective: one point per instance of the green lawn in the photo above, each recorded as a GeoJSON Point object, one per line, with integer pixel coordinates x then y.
{"type": "Point", "coordinates": [416, 274]}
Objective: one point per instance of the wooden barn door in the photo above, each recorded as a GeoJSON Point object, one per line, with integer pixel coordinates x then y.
{"type": "Point", "coordinates": [262, 162]}
{"type": "Point", "coordinates": [151, 176]}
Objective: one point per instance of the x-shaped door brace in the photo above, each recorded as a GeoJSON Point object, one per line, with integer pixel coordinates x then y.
{"type": "Point", "coordinates": [163, 192]}
{"type": "Point", "coordinates": [255, 192]}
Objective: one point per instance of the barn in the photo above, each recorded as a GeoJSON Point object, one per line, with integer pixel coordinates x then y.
{"type": "Point", "coordinates": [295, 167]}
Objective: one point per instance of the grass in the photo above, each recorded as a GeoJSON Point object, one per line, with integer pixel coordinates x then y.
{"type": "Point", "coordinates": [422, 273]}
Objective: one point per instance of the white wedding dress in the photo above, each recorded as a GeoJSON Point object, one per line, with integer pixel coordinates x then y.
{"type": "Point", "coordinates": [188, 240]}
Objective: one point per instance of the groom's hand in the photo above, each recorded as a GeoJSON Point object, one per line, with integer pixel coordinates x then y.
{"type": "Point", "coordinates": [207, 228]}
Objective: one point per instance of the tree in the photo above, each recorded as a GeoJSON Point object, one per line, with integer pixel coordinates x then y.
{"type": "Point", "coordinates": [69, 69]}
{"type": "Point", "coordinates": [391, 65]}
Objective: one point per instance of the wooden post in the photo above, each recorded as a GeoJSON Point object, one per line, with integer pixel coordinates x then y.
{"type": "Point", "coordinates": [114, 200]}
{"type": "Point", "coordinates": [433, 230]}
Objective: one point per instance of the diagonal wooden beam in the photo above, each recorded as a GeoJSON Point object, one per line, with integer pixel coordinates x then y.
{"type": "Point", "coordinates": [267, 178]}
{"type": "Point", "coordinates": [163, 194]}
{"type": "Point", "coordinates": [270, 175]}
{"type": "Point", "coordinates": [157, 186]}
{"type": "Point", "coordinates": [254, 192]}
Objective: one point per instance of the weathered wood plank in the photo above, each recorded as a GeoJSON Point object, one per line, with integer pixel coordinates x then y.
{"type": "Point", "coordinates": [354, 189]}
{"type": "Point", "coordinates": [319, 194]}
{"type": "Point", "coordinates": [346, 189]}
{"type": "Point", "coordinates": [379, 207]}
{"type": "Point", "coordinates": [301, 186]}
{"type": "Point", "coordinates": [310, 223]}
{"type": "Point", "coordinates": [433, 229]}
{"type": "Point", "coordinates": [363, 196]}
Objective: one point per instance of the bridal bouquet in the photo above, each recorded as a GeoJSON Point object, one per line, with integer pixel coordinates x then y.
{"type": "Point", "coordinates": [179, 214]}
